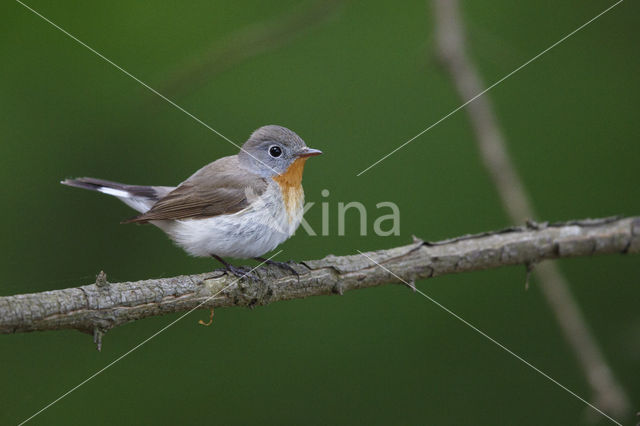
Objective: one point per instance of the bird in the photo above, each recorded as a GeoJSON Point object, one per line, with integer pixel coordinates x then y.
{"type": "Point", "coordinates": [240, 206]}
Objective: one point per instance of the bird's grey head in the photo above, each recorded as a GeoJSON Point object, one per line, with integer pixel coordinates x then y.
{"type": "Point", "coordinates": [270, 150]}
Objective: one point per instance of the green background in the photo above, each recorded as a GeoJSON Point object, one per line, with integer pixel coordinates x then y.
{"type": "Point", "coordinates": [359, 82]}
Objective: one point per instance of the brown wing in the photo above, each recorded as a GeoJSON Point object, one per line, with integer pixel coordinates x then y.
{"type": "Point", "coordinates": [219, 188]}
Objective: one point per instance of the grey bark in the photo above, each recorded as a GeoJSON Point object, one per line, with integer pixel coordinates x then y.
{"type": "Point", "coordinates": [98, 307]}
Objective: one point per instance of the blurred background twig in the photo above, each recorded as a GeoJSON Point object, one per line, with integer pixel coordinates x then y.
{"type": "Point", "coordinates": [248, 42]}
{"type": "Point", "coordinates": [451, 45]}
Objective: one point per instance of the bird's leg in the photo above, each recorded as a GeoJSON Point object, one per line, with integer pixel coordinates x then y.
{"type": "Point", "coordinates": [282, 265]}
{"type": "Point", "coordinates": [238, 271]}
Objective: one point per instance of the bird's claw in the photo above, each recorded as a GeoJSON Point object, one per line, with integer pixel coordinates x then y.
{"type": "Point", "coordinates": [281, 265]}
{"type": "Point", "coordinates": [286, 266]}
{"type": "Point", "coordinates": [241, 272]}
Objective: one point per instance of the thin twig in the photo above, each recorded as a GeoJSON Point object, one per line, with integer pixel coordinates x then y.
{"type": "Point", "coordinates": [451, 46]}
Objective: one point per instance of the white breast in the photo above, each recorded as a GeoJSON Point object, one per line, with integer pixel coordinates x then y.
{"type": "Point", "coordinates": [251, 232]}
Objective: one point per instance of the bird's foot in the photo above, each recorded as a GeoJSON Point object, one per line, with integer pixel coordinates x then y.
{"type": "Point", "coordinates": [241, 272]}
{"type": "Point", "coordinates": [281, 265]}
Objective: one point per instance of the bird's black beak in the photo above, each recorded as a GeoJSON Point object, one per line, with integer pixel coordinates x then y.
{"type": "Point", "coordinates": [309, 152]}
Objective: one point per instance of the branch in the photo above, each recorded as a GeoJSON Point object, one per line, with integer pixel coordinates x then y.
{"type": "Point", "coordinates": [451, 45]}
{"type": "Point", "coordinates": [99, 307]}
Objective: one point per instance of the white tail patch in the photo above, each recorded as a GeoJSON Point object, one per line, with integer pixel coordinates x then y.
{"type": "Point", "coordinates": [115, 192]}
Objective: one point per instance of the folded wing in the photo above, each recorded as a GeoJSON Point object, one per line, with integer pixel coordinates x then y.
{"type": "Point", "coordinates": [221, 187]}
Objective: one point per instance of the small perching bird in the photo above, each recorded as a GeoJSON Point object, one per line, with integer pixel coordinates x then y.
{"type": "Point", "coordinates": [240, 206]}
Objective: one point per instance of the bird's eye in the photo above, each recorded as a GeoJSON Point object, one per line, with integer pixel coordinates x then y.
{"type": "Point", "coordinates": [275, 151]}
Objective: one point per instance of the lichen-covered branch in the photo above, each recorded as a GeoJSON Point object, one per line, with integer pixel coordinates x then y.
{"type": "Point", "coordinates": [98, 307]}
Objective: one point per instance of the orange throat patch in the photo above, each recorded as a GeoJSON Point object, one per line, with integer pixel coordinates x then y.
{"type": "Point", "coordinates": [291, 186]}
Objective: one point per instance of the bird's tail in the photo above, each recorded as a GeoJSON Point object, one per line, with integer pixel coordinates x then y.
{"type": "Point", "coordinates": [138, 197]}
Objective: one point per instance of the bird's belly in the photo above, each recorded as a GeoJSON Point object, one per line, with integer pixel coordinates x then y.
{"type": "Point", "coordinates": [248, 233]}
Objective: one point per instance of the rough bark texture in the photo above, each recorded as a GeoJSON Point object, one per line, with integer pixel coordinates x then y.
{"type": "Point", "coordinates": [98, 307]}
